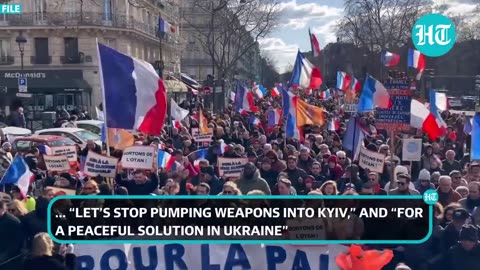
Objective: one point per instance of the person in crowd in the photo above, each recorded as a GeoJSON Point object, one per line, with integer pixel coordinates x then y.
{"type": "Point", "coordinates": [427, 158]}
{"type": "Point", "coordinates": [284, 187]}
{"type": "Point", "coordinates": [251, 180]}
{"type": "Point", "coordinates": [231, 188]}
{"type": "Point", "coordinates": [71, 123]}
{"type": "Point", "coordinates": [465, 255]}
{"type": "Point", "coordinates": [403, 182]}
{"type": "Point", "coordinates": [267, 173]}
{"type": "Point", "coordinates": [18, 209]}
{"type": "Point", "coordinates": [12, 235]}
{"type": "Point", "coordinates": [374, 178]}
{"type": "Point", "coordinates": [295, 174]}
{"type": "Point", "coordinates": [17, 118]}
{"type": "Point", "coordinates": [6, 157]}
{"type": "Point", "coordinates": [450, 164]}
{"type": "Point", "coordinates": [423, 184]}
{"type": "Point", "coordinates": [43, 257]}
{"type": "Point", "coordinates": [472, 202]}
{"type": "Point", "coordinates": [334, 170]}
{"type": "Point", "coordinates": [446, 194]}
{"type": "Point", "coordinates": [202, 189]}
{"type": "Point", "coordinates": [91, 146]}
{"type": "Point", "coordinates": [343, 160]}
{"type": "Point", "coordinates": [277, 164]}
{"type": "Point", "coordinates": [329, 188]}
{"type": "Point", "coordinates": [305, 161]}
{"type": "Point", "coordinates": [463, 191]}
{"type": "Point", "coordinates": [142, 183]}
{"type": "Point", "coordinates": [90, 187]}
{"type": "Point", "coordinates": [207, 175]}
{"type": "Point", "coordinates": [452, 230]}
{"type": "Point", "coordinates": [457, 179]}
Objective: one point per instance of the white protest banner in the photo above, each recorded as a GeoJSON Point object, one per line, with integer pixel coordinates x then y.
{"type": "Point", "coordinates": [231, 167]}
{"type": "Point", "coordinates": [61, 191]}
{"type": "Point", "coordinates": [70, 151]}
{"type": "Point", "coordinates": [56, 163]}
{"type": "Point", "coordinates": [202, 137]}
{"type": "Point", "coordinates": [207, 256]}
{"type": "Point", "coordinates": [351, 108]}
{"type": "Point", "coordinates": [371, 160]}
{"type": "Point", "coordinates": [138, 157]}
{"type": "Point", "coordinates": [96, 164]}
{"type": "Point", "coordinates": [411, 149]}
{"type": "Point", "coordinates": [306, 229]}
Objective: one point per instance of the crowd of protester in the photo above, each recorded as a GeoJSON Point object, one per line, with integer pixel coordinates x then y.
{"type": "Point", "coordinates": [317, 165]}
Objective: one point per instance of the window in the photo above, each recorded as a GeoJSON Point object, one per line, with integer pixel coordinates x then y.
{"type": "Point", "coordinates": [91, 128]}
{"type": "Point", "coordinates": [39, 9]}
{"type": "Point", "coordinates": [71, 50]}
{"type": "Point", "coordinates": [41, 51]}
{"type": "Point", "coordinates": [107, 10]}
{"type": "Point", "coordinates": [110, 42]}
{"type": "Point", "coordinates": [86, 135]}
{"type": "Point", "coordinates": [4, 48]}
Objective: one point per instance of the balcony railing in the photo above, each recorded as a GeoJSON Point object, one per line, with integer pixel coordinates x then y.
{"type": "Point", "coordinates": [40, 60]}
{"type": "Point", "coordinates": [71, 59]}
{"type": "Point", "coordinates": [6, 60]}
{"type": "Point", "coordinates": [57, 19]}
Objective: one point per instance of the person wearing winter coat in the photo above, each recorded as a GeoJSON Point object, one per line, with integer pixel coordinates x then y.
{"type": "Point", "coordinates": [423, 184]}
{"type": "Point", "coordinates": [251, 180]}
{"type": "Point", "coordinates": [335, 171]}
{"type": "Point", "coordinates": [465, 255]}
{"type": "Point", "coordinates": [42, 256]}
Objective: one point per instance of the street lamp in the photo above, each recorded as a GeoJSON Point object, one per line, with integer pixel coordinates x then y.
{"type": "Point", "coordinates": [21, 40]}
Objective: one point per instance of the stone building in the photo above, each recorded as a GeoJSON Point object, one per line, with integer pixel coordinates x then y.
{"type": "Point", "coordinates": [60, 56]}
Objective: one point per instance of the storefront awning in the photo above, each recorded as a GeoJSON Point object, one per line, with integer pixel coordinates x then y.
{"type": "Point", "coordinates": [174, 86]}
{"type": "Point", "coordinates": [53, 85]}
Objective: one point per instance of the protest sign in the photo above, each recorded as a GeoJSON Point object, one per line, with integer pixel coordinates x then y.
{"type": "Point", "coordinates": [70, 151]}
{"type": "Point", "coordinates": [207, 256]}
{"type": "Point", "coordinates": [371, 160]}
{"type": "Point", "coordinates": [306, 229]}
{"type": "Point", "coordinates": [411, 149]}
{"type": "Point", "coordinates": [96, 164]}
{"type": "Point", "coordinates": [198, 137]}
{"type": "Point", "coordinates": [138, 157]}
{"type": "Point", "coordinates": [231, 167]}
{"type": "Point", "coordinates": [61, 191]}
{"type": "Point", "coordinates": [56, 163]}
{"type": "Point", "coordinates": [351, 108]}
{"type": "Point", "coordinates": [396, 118]}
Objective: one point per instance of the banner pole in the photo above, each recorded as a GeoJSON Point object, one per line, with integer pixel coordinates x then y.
{"type": "Point", "coordinates": [100, 72]}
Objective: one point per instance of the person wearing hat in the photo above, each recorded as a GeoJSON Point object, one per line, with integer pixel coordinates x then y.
{"type": "Point", "coordinates": [452, 230]}
{"type": "Point", "coordinates": [267, 173]}
{"type": "Point", "coordinates": [465, 255]}
{"type": "Point", "coordinates": [250, 180]}
{"type": "Point", "coordinates": [6, 157]}
{"type": "Point", "coordinates": [423, 184]}
{"type": "Point", "coordinates": [207, 175]}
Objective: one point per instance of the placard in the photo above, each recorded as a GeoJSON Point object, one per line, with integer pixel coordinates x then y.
{"type": "Point", "coordinates": [202, 137]}
{"type": "Point", "coordinates": [56, 163]}
{"type": "Point", "coordinates": [396, 118]}
{"type": "Point", "coordinates": [138, 157]}
{"type": "Point", "coordinates": [231, 167]}
{"type": "Point", "coordinates": [349, 107]}
{"type": "Point", "coordinates": [306, 229]}
{"type": "Point", "coordinates": [411, 149]}
{"type": "Point", "coordinates": [96, 164]}
{"type": "Point", "coordinates": [70, 151]}
{"type": "Point", "coordinates": [371, 160]}
{"type": "Point", "coordinates": [208, 256]}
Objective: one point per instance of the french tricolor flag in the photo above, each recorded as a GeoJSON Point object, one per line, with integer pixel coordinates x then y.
{"type": "Point", "coordinates": [289, 102]}
{"type": "Point", "coordinates": [305, 75]}
{"type": "Point", "coordinates": [255, 121]}
{"type": "Point", "coordinates": [167, 161]}
{"type": "Point", "coordinates": [176, 124]}
{"type": "Point", "coordinates": [422, 118]}
{"type": "Point", "coordinates": [438, 103]}
{"type": "Point", "coordinates": [244, 100]}
{"type": "Point", "coordinates": [276, 90]}
{"type": "Point", "coordinates": [135, 96]}
{"type": "Point", "coordinates": [45, 150]}
{"type": "Point", "coordinates": [19, 174]}
{"type": "Point", "coordinates": [343, 80]}
{"type": "Point", "coordinates": [334, 124]}
{"type": "Point", "coordinates": [222, 148]}
{"type": "Point", "coordinates": [416, 60]}
{"type": "Point", "coordinates": [390, 59]}
{"type": "Point", "coordinates": [274, 117]}
{"type": "Point", "coordinates": [374, 94]}
{"type": "Point", "coordinates": [325, 94]}
{"type": "Point", "coordinates": [259, 90]}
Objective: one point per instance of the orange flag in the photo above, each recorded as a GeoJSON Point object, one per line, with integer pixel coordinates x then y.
{"type": "Point", "coordinates": [120, 138]}
{"type": "Point", "coordinates": [202, 123]}
{"type": "Point", "coordinates": [308, 114]}
{"type": "Point", "coordinates": [358, 259]}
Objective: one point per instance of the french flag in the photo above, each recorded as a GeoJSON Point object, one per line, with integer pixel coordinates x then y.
{"type": "Point", "coordinates": [167, 161]}
{"type": "Point", "coordinates": [165, 27]}
{"type": "Point", "coordinates": [45, 150]}
{"type": "Point", "coordinates": [176, 124]}
{"type": "Point", "coordinates": [135, 96]}
{"type": "Point", "coordinates": [222, 148]}
{"type": "Point", "coordinates": [438, 102]}
{"type": "Point", "coordinates": [416, 60]}
{"type": "Point", "coordinates": [475, 155]}
{"type": "Point", "coordinates": [390, 59]}
{"type": "Point", "coordinates": [343, 80]}
{"type": "Point", "coordinates": [305, 75]}
{"type": "Point", "coordinates": [325, 94]}
{"type": "Point", "coordinates": [355, 85]}
{"type": "Point", "coordinates": [422, 118]}
{"type": "Point", "coordinates": [315, 45]}
{"type": "Point", "coordinates": [276, 90]}
{"type": "Point", "coordinates": [274, 117]}
{"type": "Point", "coordinates": [244, 100]}
{"type": "Point", "coordinates": [334, 124]}
{"type": "Point", "coordinates": [259, 90]}
{"type": "Point", "coordinates": [197, 156]}
{"type": "Point", "coordinates": [289, 101]}
{"type": "Point", "coordinates": [255, 121]}
{"type": "Point", "coordinates": [374, 94]}
{"type": "Point", "coordinates": [232, 96]}
{"type": "Point", "coordinates": [19, 174]}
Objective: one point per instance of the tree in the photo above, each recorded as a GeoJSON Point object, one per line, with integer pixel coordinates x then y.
{"type": "Point", "coordinates": [228, 29]}
{"type": "Point", "coordinates": [380, 24]}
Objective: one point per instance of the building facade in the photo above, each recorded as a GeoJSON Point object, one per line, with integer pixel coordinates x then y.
{"type": "Point", "coordinates": [60, 57]}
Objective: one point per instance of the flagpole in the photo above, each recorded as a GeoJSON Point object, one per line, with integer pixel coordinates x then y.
{"type": "Point", "coordinates": [170, 119]}
{"type": "Point", "coordinates": [100, 72]}
{"type": "Point", "coordinates": [353, 146]}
